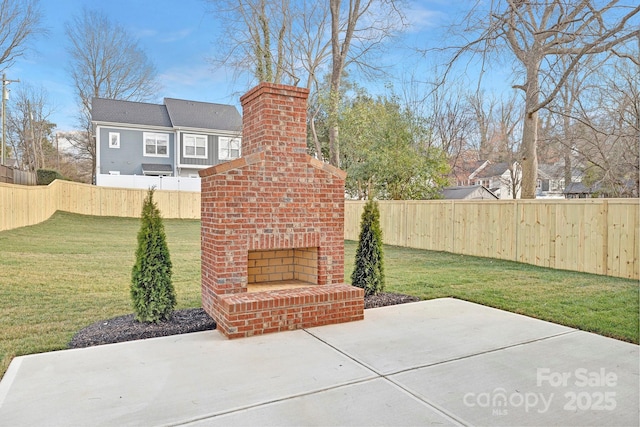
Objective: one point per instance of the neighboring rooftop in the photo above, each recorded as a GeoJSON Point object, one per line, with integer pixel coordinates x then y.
{"type": "Point", "coordinates": [204, 115]}
{"type": "Point", "coordinates": [139, 113]}
{"type": "Point", "coordinates": [174, 113]}
{"type": "Point", "coordinates": [493, 169]}
{"type": "Point", "coordinates": [471, 192]}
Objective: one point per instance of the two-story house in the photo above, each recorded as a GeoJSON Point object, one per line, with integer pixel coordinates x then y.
{"type": "Point", "coordinates": [502, 179]}
{"type": "Point", "coordinates": [139, 145]}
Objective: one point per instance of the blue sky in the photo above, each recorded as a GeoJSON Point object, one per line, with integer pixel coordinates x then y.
{"type": "Point", "coordinates": [178, 37]}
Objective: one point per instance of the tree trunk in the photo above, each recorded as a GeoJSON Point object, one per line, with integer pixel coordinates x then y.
{"type": "Point", "coordinates": [530, 135]}
{"type": "Point", "coordinates": [529, 155]}
{"type": "Point", "coordinates": [334, 107]}
{"type": "Point", "coordinates": [337, 63]}
{"type": "Point", "coordinates": [566, 149]}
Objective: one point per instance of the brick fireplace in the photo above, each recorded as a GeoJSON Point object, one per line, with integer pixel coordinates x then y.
{"type": "Point", "coordinates": [273, 227]}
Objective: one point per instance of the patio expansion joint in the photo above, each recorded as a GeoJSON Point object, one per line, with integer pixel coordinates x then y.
{"type": "Point", "coordinates": [436, 408]}
{"type": "Point", "coordinates": [264, 403]}
{"type": "Point", "coordinates": [482, 353]}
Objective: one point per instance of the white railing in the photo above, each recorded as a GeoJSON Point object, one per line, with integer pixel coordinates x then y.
{"type": "Point", "coordinates": [178, 183]}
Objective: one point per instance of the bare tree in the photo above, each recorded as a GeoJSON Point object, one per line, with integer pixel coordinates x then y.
{"type": "Point", "coordinates": [29, 128]}
{"type": "Point", "coordinates": [483, 111]}
{"type": "Point", "coordinates": [106, 62]}
{"type": "Point", "coordinates": [294, 42]}
{"type": "Point", "coordinates": [357, 29]}
{"type": "Point", "coordinates": [19, 21]}
{"type": "Point", "coordinates": [451, 122]}
{"type": "Point", "coordinates": [609, 131]}
{"type": "Point", "coordinates": [537, 34]}
{"type": "Point", "coordinates": [505, 129]}
{"type": "Point", "coordinates": [255, 36]}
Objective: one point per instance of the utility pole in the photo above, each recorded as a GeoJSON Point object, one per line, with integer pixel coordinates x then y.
{"type": "Point", "coordinates": [5, 96]}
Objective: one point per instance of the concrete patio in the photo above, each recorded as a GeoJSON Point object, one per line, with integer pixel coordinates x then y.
{"type": "Point", "coordinates": [438, 362]}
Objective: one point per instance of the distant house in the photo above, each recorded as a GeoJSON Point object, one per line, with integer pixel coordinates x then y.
{"type": "Point", "coordinates": [578, 190]}
{"type": "Point", "coordinates": [497, 177]}
{"type": "Point", "coordinates": [137, 144]}
{"type": "Point", "coordinates": [463, 169]}
{"type": "Point", "coordinates": [471, 192]}
{"type": "Point", "coordinates": [551, 183]}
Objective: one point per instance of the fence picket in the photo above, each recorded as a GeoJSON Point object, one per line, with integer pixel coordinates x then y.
{"type": "Point", "coordinates": [598, 236]}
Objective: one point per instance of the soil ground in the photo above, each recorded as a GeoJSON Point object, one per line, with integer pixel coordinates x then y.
{"type": "Point", "coordinates": [126, 328]}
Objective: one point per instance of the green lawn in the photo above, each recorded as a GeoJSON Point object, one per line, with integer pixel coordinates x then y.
{"type": "Point", "coordinates": [73, 270]}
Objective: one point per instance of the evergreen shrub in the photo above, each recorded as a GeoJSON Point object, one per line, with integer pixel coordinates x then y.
{"type": "Point", "coordinates": [368, 272]}
{"type": "Point", "coordinates": [152, 291]}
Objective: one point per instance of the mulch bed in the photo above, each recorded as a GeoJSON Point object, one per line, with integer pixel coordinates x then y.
{"type": "Point", "coordinates": [126, 328]}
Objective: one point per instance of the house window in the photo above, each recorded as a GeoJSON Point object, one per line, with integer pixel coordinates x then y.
{"type": "Point", "coordinates": [194, 146]}
{"type": "Point", "coordinates": [156, 144]}
{"type": "Point", "coordinates": [114, 140]}
{"type": "Point", "coordinates": [228, 148]}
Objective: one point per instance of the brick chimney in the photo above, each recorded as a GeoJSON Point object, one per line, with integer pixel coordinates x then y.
{"type": "Point", "coordinates": [273, 226]}
{"type": "Point", "coordinates": [274, 119]}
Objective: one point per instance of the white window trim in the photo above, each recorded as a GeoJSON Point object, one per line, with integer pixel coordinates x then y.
{"type": "Point", "coordinates": [225, 140]}
{"type": "Point", "coordinates": [154, 135]}
{"type": "Point", "coordinates": [116, 143]}
{"type": "Point", "coordinates": [195, 138]}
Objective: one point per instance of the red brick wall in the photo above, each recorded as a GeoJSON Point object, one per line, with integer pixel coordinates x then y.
{"type": "Point", "coordinates": [243, 315]}
{"type": "Point", "coordinates": [274, 197]}
{"type": "Point", "coordinates": [274, 118]}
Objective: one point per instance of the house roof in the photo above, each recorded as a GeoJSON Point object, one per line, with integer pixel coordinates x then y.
{"type": "Point", "coordinates": [468, 192]}
{"type": "Point", "coordinates": [556, 171]}
{"type": "Point", "coordinates": [203, 115]}
{"type": "Point", "coordinates": [577, 188]}
{"type": "Point", "coordinates": [493, 169]}
{"type": "Point", "coordinates": [176, 113]}
{"type": "Point", "coordinates": [138, 113]}
{"type": "Point", "coordinates": [464, 169]}
{"type": "Point", "coordinates": [547, 171]}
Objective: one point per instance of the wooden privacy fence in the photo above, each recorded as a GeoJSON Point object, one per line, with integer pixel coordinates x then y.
{"type": "Point", "coordinates": [589, 235]}
{"type": "Point", "coordinates": [598, 236]}
{"type": "Point", "coordinates": [16, 176]}
{"type": "Point", "coordinates": [21, 205]}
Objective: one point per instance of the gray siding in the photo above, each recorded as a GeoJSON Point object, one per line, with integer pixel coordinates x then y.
{"type": "Point", "coordinates": [212, 152]}
{"type": "Point", "coordinates": [129, 157]}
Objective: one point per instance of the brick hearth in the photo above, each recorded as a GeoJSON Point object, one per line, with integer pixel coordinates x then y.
{"type": "Point", "coordinates": [273, 227]}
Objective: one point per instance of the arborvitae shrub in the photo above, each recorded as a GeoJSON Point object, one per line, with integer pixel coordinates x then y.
{"type": "Point", "coordinates": [152, 291]}
{"type": "Point", "coordinates": [368, 272]}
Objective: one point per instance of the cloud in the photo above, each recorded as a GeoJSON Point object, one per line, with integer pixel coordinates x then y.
{"type": "Point", "coordinates": [202, 83]}
{"type": "Point", "coordinates": [143, 33]}
{"type": "Point", "coordinates": [421, 18]}
{"type": "Point", "coordinates": [427, 16]}
{"type": "Point", "coordinates": [185, 75]}
{"type": "Point", "coordinates": [163, 36]}
{"type": "Point", "coordinates": [175, 36]}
